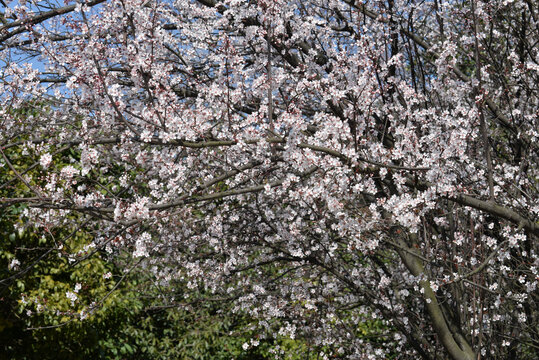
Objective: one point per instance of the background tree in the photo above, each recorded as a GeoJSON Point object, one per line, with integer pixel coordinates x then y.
{"type": "Point", "coordinates": [318, 164]}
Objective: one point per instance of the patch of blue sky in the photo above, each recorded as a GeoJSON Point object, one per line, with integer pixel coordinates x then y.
{"type": "Point", "coordinates": [20, 49]}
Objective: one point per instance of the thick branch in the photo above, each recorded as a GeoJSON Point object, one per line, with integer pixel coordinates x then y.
{"type": "Point", "coordinates": [497, 210]}
{"type": "Point", "coordinates": [39, 18]}
{"type": "Point", "coordinates": [415, 266]}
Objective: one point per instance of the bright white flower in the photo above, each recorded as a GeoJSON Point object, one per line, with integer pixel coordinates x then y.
{"type": "Point", "coordinates": [14, 264]}
{"type": "Point", "coordinates": [141, 249]}
{"type": "Point", "coordinates": [68, 172]}
{"type": "Point", "coordinates": [71, 296]}
{"type": "Point", "coordinates": [45, 160]}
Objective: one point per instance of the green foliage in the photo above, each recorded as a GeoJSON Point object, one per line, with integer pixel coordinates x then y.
{"type": "Point", "coordinates": [123, 327]}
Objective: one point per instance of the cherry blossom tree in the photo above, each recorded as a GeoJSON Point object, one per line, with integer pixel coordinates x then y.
{"type": "Point", "coordinates": [320, 164]}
